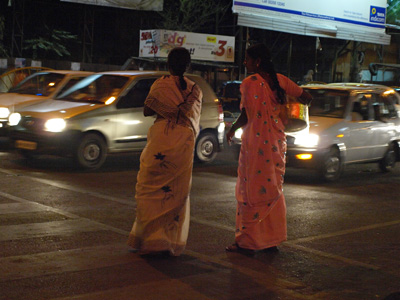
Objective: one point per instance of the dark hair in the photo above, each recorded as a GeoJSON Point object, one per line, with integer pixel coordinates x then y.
{"type": "Point", "coordinates": [262, 52]}
{"type": "Point", "coordinates": [178, 62]}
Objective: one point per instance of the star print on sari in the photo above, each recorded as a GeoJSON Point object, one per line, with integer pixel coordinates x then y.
{"type": "Point", "coordinates": [159, 156]}
{"type": "Point", "coordinates": [164, 163]}
{"type": "Point", "coordinates": [167, 194]}
{"type": "Point", "coordinates": [262, 190]}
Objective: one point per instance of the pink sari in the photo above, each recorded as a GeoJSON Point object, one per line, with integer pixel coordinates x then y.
{"type": "Point", "coordinates": [261, 209]}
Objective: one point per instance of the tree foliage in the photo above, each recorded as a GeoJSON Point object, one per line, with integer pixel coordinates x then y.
{"type": "Point", "coordinates": [3, 51]}
{"type": "Point", "coordinates": [54, 42]}
{"type": "Point", "coordinates": [193, 15]}
{"type": "Point", "coordinates": [393, 12]}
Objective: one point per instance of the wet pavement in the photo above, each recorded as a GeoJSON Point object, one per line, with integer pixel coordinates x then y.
{"type": "Point", "coordinates": [66, 239]}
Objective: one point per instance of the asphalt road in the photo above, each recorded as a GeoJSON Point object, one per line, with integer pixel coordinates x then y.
{"type": "Point", "coordinates": [63, 236]}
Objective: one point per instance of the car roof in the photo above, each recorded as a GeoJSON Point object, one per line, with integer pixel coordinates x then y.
{"type": "Point", "coordinates": [350, 86]}
{"type": "Point", "coordinates": [137, 72]}
{"type": "Point", "coordinates": [64, 72]}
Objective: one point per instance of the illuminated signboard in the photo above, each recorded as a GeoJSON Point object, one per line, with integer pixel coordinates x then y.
{"type": "Point", "coordinates": [210, 47]}
{"type": "Point", "coordinates": [362, 20]}
{"type": "Point", "coordinates": [156, 5]}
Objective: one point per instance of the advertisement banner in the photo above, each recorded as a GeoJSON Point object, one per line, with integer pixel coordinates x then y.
{"type": "Point", "coordinates": [156, 5]}
{"type": "Point", "coordinates": [209, 47]}
{"type": "Point", "coordinates": [369, 14]}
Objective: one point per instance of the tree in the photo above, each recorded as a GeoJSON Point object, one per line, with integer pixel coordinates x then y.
{"type": "Point", "coordinates": [3, 51]}
{"type": "Point", "coordinates": [193, 15]}
{"type": "Point", "coordinates": [54, 43]}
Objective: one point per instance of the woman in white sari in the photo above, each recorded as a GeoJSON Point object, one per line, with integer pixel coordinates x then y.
{"type": "Point", "coordinates": [165, 175]}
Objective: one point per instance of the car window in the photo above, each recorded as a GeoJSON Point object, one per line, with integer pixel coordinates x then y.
{"type": "Point", "coordinates": [40, 84]}
{"type": "Point", "coordinates": [70, 83]}
{"type": "Point", "coordinates": [361, 105]}
{"type": "Point", "coordinates": [328, 102]}
{"type": "Point", "coordinates": [137, 94]}
{"type": "Point", "coordinates": [384, 107]}
{"type": "Point", "coordinates": [98, 88]}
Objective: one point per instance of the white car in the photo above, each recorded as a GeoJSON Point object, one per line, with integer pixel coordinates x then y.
{"type": "Point", "coordinates": [37, 87]}
{"type": "Point", "coordinates": [348, 123]}
{"type": "Point", "coordinates": [103, 114]}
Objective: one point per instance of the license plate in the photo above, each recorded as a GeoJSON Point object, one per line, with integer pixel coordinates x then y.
{"type": "Point", "coordinates": [25, 145]}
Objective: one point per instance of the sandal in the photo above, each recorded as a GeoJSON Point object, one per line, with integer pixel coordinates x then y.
{"type": "Point", "coordinates": [236, 248]}
{"type": "Point", "coordinates": [232, 248]}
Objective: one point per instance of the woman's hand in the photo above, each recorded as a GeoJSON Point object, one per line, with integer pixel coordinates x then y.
{"type": "Point", "coordinates": [229, 136]}
{"type": "Point", "coordinates": [305, 98]}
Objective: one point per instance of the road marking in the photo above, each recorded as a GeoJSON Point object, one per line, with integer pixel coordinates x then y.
{"type": "Point", "coordinates": [61, 212]}
{"type": "Point", "coordinates": [345, 232]}
{"type": "Point", "coordinates": [290, 243]}
{"type": "Point", "coordinates": [56, 262]}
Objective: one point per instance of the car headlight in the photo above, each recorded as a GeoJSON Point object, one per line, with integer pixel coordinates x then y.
{"type": "Point", "coordinates": [307, 140]}
{"type": "Point", "coordinates": [238, 133]}
{"type": "Point", "coordinates": [14, 119]}
{"type": "Point", "coordinates": [55, 125]}
{"type": "Point", "coordinates": [4, 112]}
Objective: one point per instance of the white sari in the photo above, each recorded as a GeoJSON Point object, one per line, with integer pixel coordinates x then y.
{"type": "Point", "coordinates": [165, 175]}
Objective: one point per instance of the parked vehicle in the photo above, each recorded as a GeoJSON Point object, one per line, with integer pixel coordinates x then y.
{"type": "Point", "coordinates": [348, 123]}
{"type": "Point", "coordinates": [103, 114]}
{"type": "Point", "coordinates": [36, 87]}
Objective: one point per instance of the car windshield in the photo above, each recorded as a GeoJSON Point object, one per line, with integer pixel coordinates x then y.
{"type": "Point", "coordinates": [96, 88]}
{"type": "Point", "coordinates": [39, 84]}
{"type": "Point", "coordinates": [328, 102]}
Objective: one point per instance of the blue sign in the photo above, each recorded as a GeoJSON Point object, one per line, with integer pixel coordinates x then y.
{"type": "Point", "coordinates": [377, 15]}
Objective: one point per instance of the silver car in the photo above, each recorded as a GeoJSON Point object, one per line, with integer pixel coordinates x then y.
{"type": "Point", "coordinates": [348, 123]}
{"type": "Point", "coordinates": [37, 87]}
{"type": "Point", "coordinates": [103, 114]}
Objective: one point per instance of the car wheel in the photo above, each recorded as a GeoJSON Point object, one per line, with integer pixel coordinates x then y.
{"type": "Point", "coordinates": [91, 152]}
{"type": "Point", "coordinates": [28, 155]}
{"type": "Point", "coordinates": [389, 160]}
{"type": "Point", "coordinates": [332, 165]}
{"type": "Point", "coordinates": [206, 147]}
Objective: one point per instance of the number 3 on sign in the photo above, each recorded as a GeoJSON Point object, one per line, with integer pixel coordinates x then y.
{"type": "Point", "coordinates": [221, 49]}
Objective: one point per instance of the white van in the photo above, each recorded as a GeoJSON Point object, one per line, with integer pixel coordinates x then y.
{"type": "Point", "coordinates": [348, 123]}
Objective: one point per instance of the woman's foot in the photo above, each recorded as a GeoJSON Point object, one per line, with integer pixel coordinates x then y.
{"type": "Point", "coordinates": [271, 249]}
{"type": "Point", "coordinates": [236, 248]}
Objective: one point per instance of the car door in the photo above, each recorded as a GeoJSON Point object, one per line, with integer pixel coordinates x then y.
{"type": "Point", "coordinates": [385, 120]}
{"type": "Point", "coordinates": [132, 127]}
{"type": "Point", "coordinates": [359, 129]}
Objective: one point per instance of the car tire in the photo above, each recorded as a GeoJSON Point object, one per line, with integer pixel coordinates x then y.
{"type": "Point", "coordinates": [28, 155]}
{"type": "Point", "coordinates": [206, 148]}
{"type": "Point", "coordinates": [91, 152]}
{"type": "Point", "coordinates": [332, 165]}
{"type": "Point", "coordinates": [387, 163]}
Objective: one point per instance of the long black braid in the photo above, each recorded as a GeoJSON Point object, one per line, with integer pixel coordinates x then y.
{"type": "Point", "coordinates": [261, 51]}
{"type": "Point", "coordinates": [178, 62]}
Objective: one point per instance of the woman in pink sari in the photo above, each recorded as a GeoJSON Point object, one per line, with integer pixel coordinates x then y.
{"type": "Point", "coordinates": [165, 176]}
{"type": "Point", "coordinates": [261, 209]}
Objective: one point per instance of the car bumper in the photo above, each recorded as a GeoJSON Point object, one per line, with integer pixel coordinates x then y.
{"type": "Point", "coordinates": [308, 158]}
{"type": "Point", "coordinates": [3, 128]}
{"type": "Point", "coordinates": [50, 143]}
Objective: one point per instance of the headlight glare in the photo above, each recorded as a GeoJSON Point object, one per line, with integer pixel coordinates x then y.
{"type": "Point", "coordinates": [4, 112]}
{"type": "Point", "coordinates": [307, 140]}
{"type": "Point", "coordinates": [14, 119]}
{"type": "Point", "coordinates": [238, 133]}
{"type": "Point", "coordinates": [55, 125]}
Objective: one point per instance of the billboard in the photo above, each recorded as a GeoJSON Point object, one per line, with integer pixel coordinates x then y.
{"type": "Point", "coordinates": [208, 47]}
{"type": "Point", "coordinates": [367, 13]}
{"type": "Point", "coordinates": [156, 5]}
{"type": "Point", "coordinates": [353, 20]}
